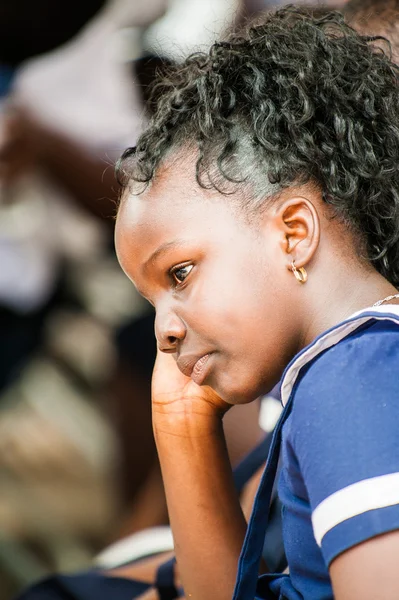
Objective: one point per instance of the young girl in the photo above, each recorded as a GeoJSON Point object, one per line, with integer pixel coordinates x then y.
{"type": "Point", "coordinates": [261, 218]}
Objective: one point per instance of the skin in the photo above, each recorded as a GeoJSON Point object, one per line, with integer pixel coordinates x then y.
{"type": "Point", "coordinates": [223, 285]}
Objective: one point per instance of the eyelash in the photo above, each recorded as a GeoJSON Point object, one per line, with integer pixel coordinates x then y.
{"type": "Point", "coordinates": [177, 268]}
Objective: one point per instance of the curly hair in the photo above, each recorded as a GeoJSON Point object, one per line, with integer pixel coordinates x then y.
{"type": "Point", "coordinates": [292, 99]}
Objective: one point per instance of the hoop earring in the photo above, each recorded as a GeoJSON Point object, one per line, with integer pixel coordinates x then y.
{"type": "Point", "coordinates": [300, 274]}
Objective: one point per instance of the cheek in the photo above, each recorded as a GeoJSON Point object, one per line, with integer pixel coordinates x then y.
{"type": "Point", "coordinates": [243, 318]}
{"type": "Point", "coordinates": [217, 299]}
{"type": "Point", "coordinates": [226, 303]}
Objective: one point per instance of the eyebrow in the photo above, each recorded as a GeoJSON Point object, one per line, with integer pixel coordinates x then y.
{"type": "Point", "coordinates": [161, 250]}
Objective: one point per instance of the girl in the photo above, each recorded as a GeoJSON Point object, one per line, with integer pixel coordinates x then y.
{"type": "Point", "coordinates": [261, 218]}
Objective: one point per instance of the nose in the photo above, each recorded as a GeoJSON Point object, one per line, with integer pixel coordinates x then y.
{"type": "Point", "coordinates": [169, 331]}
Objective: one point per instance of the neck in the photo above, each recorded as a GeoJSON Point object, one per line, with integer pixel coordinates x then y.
{"type": "Point", "coordinates": [347, 291]}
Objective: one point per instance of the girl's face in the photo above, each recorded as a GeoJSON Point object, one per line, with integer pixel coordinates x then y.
{"type": "Point", "coordinates": [220, 286]}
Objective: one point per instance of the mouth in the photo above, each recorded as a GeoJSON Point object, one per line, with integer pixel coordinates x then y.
{"type": "Point", "coordinates": [194, 367]}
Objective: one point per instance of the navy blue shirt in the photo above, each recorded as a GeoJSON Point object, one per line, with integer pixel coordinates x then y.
{"type": "Point", "coordinates": [339, 483]}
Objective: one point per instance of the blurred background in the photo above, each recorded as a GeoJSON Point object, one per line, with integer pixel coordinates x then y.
{"type": "Point", "coordinates": [78, 469]}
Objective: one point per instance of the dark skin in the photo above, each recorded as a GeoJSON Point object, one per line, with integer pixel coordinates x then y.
{"type": "Point", "coordinates": [223, 288]}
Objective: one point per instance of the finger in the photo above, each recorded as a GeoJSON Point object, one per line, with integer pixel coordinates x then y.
{"type": "Point", "coordinates": [167, 376]}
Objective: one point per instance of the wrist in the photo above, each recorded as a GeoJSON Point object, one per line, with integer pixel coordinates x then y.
{"type": "Point", "coordinates": [186, 419]}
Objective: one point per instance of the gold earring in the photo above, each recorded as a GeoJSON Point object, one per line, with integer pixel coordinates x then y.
{"type": "Point", "coordinates": [300, 274]}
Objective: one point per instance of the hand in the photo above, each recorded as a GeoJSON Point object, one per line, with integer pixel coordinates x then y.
{"type": "Point", "coordinates": [175, 394]}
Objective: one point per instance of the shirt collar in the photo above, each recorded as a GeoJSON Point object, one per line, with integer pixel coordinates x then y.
{"type": "Point", "coordinates": [331, 337]}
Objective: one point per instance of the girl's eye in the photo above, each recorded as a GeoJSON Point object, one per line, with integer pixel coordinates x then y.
{"type": "Point", "coordinates": [180, 273]}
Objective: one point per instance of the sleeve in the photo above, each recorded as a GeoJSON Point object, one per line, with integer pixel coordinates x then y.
{"type": "Point", "coordinates": [345, 434]}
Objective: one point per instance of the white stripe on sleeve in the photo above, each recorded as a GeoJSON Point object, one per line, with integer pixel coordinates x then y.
{"type": "Point", "coordinates": [353, 500]}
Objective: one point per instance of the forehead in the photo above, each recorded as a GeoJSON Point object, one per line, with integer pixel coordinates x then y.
{"type": "Point", "coordinates": [173, 207]}
{"type": "Point", "coordinates": [172, 194]}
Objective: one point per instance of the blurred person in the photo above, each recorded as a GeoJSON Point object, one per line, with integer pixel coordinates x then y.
{"type": "Point", "coordinates": [28, 251]}
{"type": "Point", "coordinates": [34, 448]}
{"type": "Point", "coordinates": [71, 111]}
{"type": "Point", "coordinates": [64, 114]}
{"type": "Point", "coordinates": [47, 157]}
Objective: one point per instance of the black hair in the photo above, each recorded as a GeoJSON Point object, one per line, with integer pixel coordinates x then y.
{"type": "Point", "coordinates": [292, 99]}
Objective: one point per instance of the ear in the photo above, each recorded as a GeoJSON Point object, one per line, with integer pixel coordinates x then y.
{"type": "Point", "coordinates": [299, 223]}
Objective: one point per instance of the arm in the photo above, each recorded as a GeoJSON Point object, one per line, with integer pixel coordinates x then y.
{"type": "Point", "coordinates": [368, 571]}
{"type": "Point", "coordinates": [87, 177]}
{"type": "Point", "coordinates": [187, 422]}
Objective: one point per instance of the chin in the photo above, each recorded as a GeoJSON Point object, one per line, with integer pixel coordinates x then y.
{"type": "Point", "coordinates": [233, 394]}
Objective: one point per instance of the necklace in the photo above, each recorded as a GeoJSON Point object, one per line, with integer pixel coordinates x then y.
{"type": "Point", "coordinates": [386, 299]}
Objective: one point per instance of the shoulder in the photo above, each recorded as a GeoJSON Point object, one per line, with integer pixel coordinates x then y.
{"type": "Point", "coordinates": [345, 416]}
{"type": "Point", "coordinates": [344, 431]}
{"type": "Point", "coordinates": [362, 368]}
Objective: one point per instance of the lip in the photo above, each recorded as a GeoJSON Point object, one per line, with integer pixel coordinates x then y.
{"type": "Point", "coordinates": [194, 367]}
